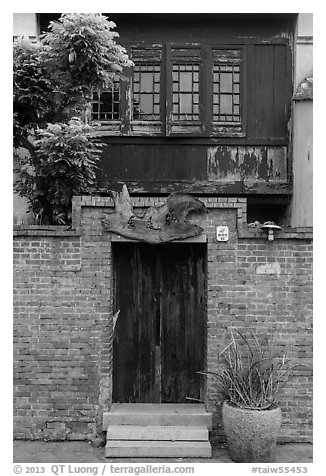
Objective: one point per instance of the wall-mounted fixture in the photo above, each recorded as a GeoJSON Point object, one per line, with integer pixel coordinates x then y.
{"type": "Point", "coordinates": [271, 228]}
{"type": "Point", "coordinates": [222, 233]}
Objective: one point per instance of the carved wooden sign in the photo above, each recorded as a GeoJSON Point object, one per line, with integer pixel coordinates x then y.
{"type": "Point", "coordinates": [158, 224]}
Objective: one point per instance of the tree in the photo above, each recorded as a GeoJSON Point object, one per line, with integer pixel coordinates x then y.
{"type": "Point", "coordinates": [54, 80]}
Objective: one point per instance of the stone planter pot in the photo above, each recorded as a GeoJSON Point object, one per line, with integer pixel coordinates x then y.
{"type": "Point", "coordinates": [251, 434]}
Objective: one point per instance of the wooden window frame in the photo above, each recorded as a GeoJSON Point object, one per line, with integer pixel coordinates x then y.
{"type": "Point", "coordinates": [228, 129]}
{"type": "Point", "coordinates": [112, 127]}
{"type": "Point", "coordinates": [167, 126]}
{"type": "Point", "coordinates": [184, 54]}
{"type": "Point", "coordinates": [149, 55]}
{"type": "Point", "coordinates": [99, 111]}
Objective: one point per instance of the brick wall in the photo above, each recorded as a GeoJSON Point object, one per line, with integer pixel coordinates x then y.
{"type": "Point", "coordinates": [63, 314]}
{"type": "Point", "coordinates": [61, 326]}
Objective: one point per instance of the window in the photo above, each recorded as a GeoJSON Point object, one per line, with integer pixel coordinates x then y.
{"type": "Point", "coordinates": [184, 88]}
{"type": "Point", "coordinates": [226, 93]}
{"type": "Point", "coordinates": [227, 115]}
{"type": "Point", "coordinates": [177, 90]}
{"type": "Point", "coordinates": [146, 92]}
{"type": "Point", "coordinates": [106, 106]}
{"type": "Point", "coordinates": [185, 92]}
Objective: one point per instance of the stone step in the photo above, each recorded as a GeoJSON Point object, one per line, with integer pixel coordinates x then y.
{"type": "Point", "coordinates": [157, 433]}
{"type": "Point", "coordinates": [158, 449]}
{"type": "Point", "coordinates": [165, 414]}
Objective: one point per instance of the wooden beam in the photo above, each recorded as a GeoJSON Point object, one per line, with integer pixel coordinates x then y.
{"type": "Point", "coordinates": [199, 187]}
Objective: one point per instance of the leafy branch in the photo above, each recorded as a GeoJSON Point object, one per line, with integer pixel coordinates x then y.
{"type": "Point", "coordinates": [55, 155]}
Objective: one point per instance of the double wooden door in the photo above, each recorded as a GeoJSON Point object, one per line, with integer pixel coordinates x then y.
{"type": "Point", "coordinates": [160, 335]}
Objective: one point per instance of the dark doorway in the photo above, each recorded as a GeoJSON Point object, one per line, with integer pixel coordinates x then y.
{"type": "Point", "coordinates": [160, 335]}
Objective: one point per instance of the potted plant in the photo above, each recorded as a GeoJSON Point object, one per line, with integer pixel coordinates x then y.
{"type": "Point", "coordinates": [250, 377]}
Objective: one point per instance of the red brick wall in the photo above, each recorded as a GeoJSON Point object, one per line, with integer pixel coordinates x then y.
{"type": "Point", "coordinates": [62, 315]}
{"type": "Point", "coordinates": [266, 287]}
{"type": "Point", "coordinates": [61, 325]}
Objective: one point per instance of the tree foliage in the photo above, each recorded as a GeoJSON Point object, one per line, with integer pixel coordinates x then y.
{"type": "Point", "coordinates": [63, 165]}
{"type": "Point", "coordinates": [53, 83]}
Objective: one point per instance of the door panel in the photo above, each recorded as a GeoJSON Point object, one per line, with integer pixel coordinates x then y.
{"type": "Point", "coordinates": [160, 333]}
{"type": "Point", "coordinates": [133, 348]}
{"type": "Point", "coordinates": [183, 321]}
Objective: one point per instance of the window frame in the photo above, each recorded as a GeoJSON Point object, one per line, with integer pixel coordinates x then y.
{"type": "Point", "coordinates": [186, 54]}
{"type": "Point", "coordinates": [146, 54]}
{"type": "Point", "coordinates": [115, 123]}
{"type": "Point", "coordinates": [237, 129]}
{"type": "Point", "coordinates": [166, 55]}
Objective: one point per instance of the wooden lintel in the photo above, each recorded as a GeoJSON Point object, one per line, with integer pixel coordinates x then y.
{"type": "Point", "coordinates": [192, 239]}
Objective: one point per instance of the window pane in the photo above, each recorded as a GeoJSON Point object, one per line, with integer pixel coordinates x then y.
{"type": "Point", "coordinates": [105, 106]}
{"type": "Point", "coordinates": [185, 92]}
{"type": "Point", "coordinates": [186, 104]}
{"type": "Point", "coordinates": [185, 81]}
{"type": "Point", "coordinates": [146, 104]}
{"type": "Point", "coordinates": [226, 92]}
{"type": "Point", "coordinates": [226, 83]}
{"type": "Point", "coordinates": [136, 110]}
{"type": "Point", "coordinates": [226, 104]}
{"type": "Point", "coordinates": [146, 82]}
{"type": "Point", "coordinates": [146, 92]}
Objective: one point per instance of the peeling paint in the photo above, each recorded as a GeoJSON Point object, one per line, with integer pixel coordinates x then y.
{"type": "Point", "coordinates": [222, 163]}
{"type": "Point", "coordinates": [224, 187]}
{"type": "Point", "coordinates": [179, 128]}
{"type": "Point", "coordinates": [269, 268]}
{"type": "Point", "coordinates": [260, 163]}
{"type": "Point", "coordinates": [304, 90]}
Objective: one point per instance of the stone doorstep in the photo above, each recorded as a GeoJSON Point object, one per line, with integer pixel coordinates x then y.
{"type": "Point", "coordinates": [157, 430]}
{"type": "Point", "coordinates": [157, 415]}
{"type": "Point", "coordinates": [162, 449]}
{"type": "Point", "coordinates": [160, 408]}
{"type": "Point", "coordinates": [157, 433]}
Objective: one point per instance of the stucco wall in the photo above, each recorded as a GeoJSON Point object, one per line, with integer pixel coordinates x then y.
{"type": "Point", "coordinates": [302, 201]}
{"type": "Point", "coordinates": [302, 123]}
{"type": "Point", "coordinates": [24, 24]}
{"type": "Point", "coordinates": [304, 47]}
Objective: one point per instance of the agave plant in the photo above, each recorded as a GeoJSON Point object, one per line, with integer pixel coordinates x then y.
{"type": "Point", "coordinates": [250, 374]}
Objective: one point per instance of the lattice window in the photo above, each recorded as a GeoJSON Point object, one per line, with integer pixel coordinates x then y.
{"type": "Point", "coordinates": [146, 92]}
{"type": "Point", "coordinates": [106, 106]}
{"type": "Point", "coordinates": [177, 90]}
{"type": "Point", "coordinates": [226, 93]}
{"type": "Point", "coordinates": [185, 92]}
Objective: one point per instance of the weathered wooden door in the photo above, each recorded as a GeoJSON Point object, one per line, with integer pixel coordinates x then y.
{"type": "Point", "coordinates": [160, 335]}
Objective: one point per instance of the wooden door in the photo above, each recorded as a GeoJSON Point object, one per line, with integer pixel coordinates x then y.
{"type": "Point", "coordinates": [160, 335]}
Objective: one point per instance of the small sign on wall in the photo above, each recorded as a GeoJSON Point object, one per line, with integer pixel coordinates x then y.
{"type": "Point", "coordinates": [222, 233]}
